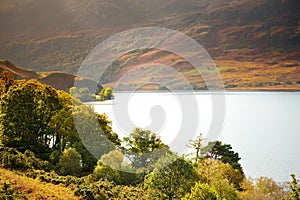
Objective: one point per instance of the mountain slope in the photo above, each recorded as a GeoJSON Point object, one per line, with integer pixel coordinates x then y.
{"type": "Point", "coordinates": [58, 80]}
{"type": "Point", "coordinates": [57, 35]}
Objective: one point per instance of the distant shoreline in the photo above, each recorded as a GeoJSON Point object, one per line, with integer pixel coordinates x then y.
{"type": "Point", "coordinates": [207, 91]}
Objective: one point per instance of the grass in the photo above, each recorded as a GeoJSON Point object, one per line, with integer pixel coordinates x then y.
{"type": "Point", "coordinates": [252, 74]}
{"type": "Point", "coordinates": [34, 189]}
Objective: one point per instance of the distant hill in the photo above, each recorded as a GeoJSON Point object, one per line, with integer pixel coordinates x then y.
{"type": "Point", "coordinates": [57, 35]}
{"type": "Point", "coordinates": [58, 80]}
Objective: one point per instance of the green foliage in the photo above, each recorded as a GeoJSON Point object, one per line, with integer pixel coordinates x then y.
{"type": "Point", "coordinates": [99, 87]}
{"type": "Point", "coordinates": [225, 190]}
{"type": "Point", "coordinates": [7, 80]}
{"type": "Point", "coordinates": [70, 162]}
{"type": "Point", "coordinates": [38, 120]}
{"type": "Point", "coordinates": [83, 94]}
{"type": "Point", "coordinates": [295, 189]}
{"type": "Point", "coordinates": [8, 192]}
{"type": "Point", "coordinates": [145, 148]}
{"type": "Point", "coordinates": [36, 117]}
{"type": "Point", "coordinates": [231, 86]}
{"type": "Point", "coordinates": [223, 152]}
{"type": "Point", "coordinates": [106, 127]}
{"type": "Point", "coordinates": [162, 87]}
{"type": "Point", "coordinates": [171, 178]}
{"type": "Point", "coordinates": [221, 177]}
{"type": "Point", "coordinates": [262, 188]}
{"type": "Point", "coordinates": [201, 192]}
{"type": "Point", "coordinates": [89, 188]}
{"type": "Point", "coordinates": [113, 167]}
{"type": "Point", "coordinates": [259, 84]}
{"type": "Point", "coordinates": [95, 129]}
{"type": "Point", "coordinates": [13, 159]}
{"type": "Point", "coordinates": [98, 190]}
{"type": "Point", "coordinates": [2, 88]}
{"type": "Point", "coordinates": [96, 136]}
{"type": "Point", "coordinates": [196, 145]}
{"type": "Point", "coordinates": [211, 171]}
{"type": "Point", "coordinates": [25, 115]}
{"type": "Point", "coordinates": [134, 192]}
{"type": "Point", "coordinates": [106, 94]}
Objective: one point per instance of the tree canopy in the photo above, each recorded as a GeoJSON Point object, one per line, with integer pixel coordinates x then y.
{"type": "Point", "coordinates": [26, 111]}
{"type": "Point", "coordinates": [171, 178]}
{"type": "Point", "coordinates": [223, 152]}
{"type": "Point", "coordinates": [36, 117]}
{"type": "Point", "coordinates": [144, 149]}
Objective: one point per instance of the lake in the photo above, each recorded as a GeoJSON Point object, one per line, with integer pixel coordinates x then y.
{"type": "Point", "coordinates": [263, 127]}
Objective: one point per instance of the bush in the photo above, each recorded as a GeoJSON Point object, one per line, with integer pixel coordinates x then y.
{"type": "Point", "coordinates": [9, 192]}
{"type": "Point", "coordinates": [70, 162]}
{"type": "Point", "coordinates": [231, 86]}
{"type": "Point", "coordinates": [259, 84]}
{"type": "Point", "coordinates": [276, 83]}
{"type": "Point", "coordinates": [288, 82]}
{"type": "Point", "coordinates": [106, 94]}
{"type": "Point", "coordinates": [12, 159]}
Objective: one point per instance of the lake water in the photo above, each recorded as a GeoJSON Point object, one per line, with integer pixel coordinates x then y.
{"type": "Point", "coordinates": [263, 127]}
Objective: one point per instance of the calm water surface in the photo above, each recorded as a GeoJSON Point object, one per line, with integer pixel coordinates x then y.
{"type": "Point", "coordinates": [263, 127]}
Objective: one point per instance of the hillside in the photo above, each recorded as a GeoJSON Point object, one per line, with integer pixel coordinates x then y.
{"type": "Point", "coordinates": [263, 36]}
{"type": "Point", "coordinates": [33, 188]}
{"type": "Point", "coordinates": [58, 80]}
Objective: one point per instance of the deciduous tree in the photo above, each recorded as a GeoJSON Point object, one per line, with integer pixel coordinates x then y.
{"type": "Point", "coordinates": [70, 162]}
{"type": "Point", "coordinates": [201, 192]}
{"type": "Point", "coordinates": [171, 178]}
{"type": "Point", "coordinates": [145, 148]}
{"type": "Point", "coordinates": [26, 112]}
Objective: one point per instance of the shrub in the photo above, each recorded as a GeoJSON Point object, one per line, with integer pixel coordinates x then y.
{"type": "Point", "coordinates": [231, 86]}
{"type": "Point", "coordinates": [288, 82]}
{"type": "Point", "coordinates": [70, 162]}
{"type": "Point", "coordinates": [276, 83]}
{"type": "Point", "coordinates": [9, 192]}
{"type": "Point", "coordinates": [13, 159]}
{"type": "Point", "coordinates": [259, 84]}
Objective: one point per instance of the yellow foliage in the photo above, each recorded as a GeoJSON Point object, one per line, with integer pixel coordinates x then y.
{"type": "Point", "coordinates": [34, 189]}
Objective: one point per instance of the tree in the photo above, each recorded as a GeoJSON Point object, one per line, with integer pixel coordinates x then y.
{"type": "Point", "coordinates": [262, 188]}
{"type": "Point", "coordinates": [295, 189]}
{"type": "Point", "coordinates": [220, 176]}
{"type": "Point", "coordinates": [171, 178]}
{"type": "Point", "coordinates": [7, 78]}
{"type": "Point", "coordinates": [201, 192]}
{"type": "Point", "coordinates": [145, 148]}
{"type": "Point", "coordinates": [26, 112]}
{"type": "Point", "coordinates": [70, 162]}
{"type": "Point", "coordinates": [197, 145]}
{"type": "Point", "coordinates": [35, 116]}
{"type": "Point", "coordinates": [95, 131]}
{"type": "Point", "coordinates": [83, 94]}
{"type": "Point", "coordinates": [113, 167]}
{"type": "Point", "coordinates": [99, 87]}
{"type": "Point", "coordinates": [223, 152]}
{"type": "Point", "coordinates": [96, 136]}
{"type": "Point", "coordinates": [106, 94]}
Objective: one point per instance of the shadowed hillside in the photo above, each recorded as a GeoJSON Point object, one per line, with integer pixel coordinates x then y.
{"type": "Point", "coordinates": [58, 35]}
{"type": "Point", "coordinates": [58, 80]}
